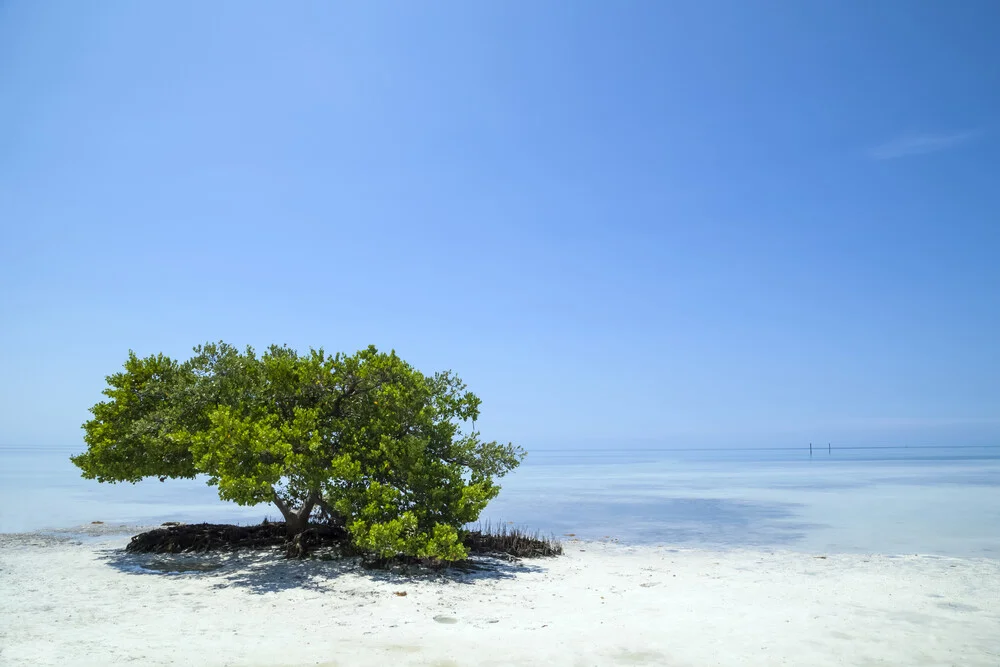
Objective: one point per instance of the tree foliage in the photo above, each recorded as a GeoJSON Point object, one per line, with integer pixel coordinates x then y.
{"type": "Point", "coordinates": [365, 438]}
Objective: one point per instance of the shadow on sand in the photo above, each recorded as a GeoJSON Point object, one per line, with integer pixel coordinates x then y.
{"type": "Point", "coordinates": [268, 571]}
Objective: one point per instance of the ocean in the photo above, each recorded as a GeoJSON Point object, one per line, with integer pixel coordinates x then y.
{"type": "Point", "coordinates": [941, 501]}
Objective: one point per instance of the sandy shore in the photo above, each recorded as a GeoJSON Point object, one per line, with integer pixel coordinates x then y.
{"type": "Point", "coordinates": [72, 602]}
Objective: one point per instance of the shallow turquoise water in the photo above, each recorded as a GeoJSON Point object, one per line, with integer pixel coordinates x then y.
{"type": "Point", "coordinates": [41, 489]}
{"type": "Point", "coordinates": [937, 501]}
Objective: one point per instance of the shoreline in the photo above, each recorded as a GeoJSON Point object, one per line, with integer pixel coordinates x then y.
{"type": "Point", "coordinates": [82, 601]}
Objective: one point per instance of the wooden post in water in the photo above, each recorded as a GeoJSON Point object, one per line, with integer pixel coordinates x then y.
{"type": "Point", "coordinates": [810, 449]}
{"type": "Point", "coordinates": [829, 448]}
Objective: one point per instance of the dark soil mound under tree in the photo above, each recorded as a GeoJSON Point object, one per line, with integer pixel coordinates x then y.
{"type": "Point", "coordinates": [204, 537]}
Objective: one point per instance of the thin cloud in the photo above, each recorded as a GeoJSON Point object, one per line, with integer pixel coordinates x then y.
{"type": "Point", "coordinates": [921, 144]}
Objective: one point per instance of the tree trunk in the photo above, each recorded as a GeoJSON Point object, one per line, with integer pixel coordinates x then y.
{"type": "Point", "coordinates": [296, 521]}
{"type": "Point", "coordinates": [295, 524]}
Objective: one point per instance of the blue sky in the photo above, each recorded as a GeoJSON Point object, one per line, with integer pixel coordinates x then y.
{"type": "Point", "coordinates": [645, 223]}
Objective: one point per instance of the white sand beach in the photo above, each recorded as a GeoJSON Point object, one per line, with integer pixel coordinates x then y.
{"type": "Point", "coordinates": [72, 602]}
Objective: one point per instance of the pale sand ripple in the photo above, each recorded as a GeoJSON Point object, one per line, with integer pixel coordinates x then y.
{"type": "Point", "coordinates": [71, 603]}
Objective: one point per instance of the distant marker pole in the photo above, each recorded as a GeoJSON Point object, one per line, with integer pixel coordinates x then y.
{"type": "Point", "coordinates": [810, 449]}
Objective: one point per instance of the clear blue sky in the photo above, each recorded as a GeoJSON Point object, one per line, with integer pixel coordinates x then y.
{"type": "Point", "coordinates": [664, 223]}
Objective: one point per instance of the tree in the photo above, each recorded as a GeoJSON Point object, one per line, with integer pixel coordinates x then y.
{"type": "Point", "coordinates": [366, 439]}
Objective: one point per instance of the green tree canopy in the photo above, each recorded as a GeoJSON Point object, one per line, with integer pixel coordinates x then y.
{"type": "Point", "coordinates": [373, 442]}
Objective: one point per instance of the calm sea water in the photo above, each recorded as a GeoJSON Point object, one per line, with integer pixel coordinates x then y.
{"type": "Point", "coordinates": [942, 501]}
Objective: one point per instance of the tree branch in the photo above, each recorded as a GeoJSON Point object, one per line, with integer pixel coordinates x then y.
{"type": "Point", "coordinates": [281, 505]}
{"type": "Point", "coordinates": [307, 508]}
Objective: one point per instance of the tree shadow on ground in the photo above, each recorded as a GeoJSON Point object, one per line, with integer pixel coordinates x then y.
{"type": "Point", "coordinates": [268, 571]}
